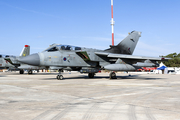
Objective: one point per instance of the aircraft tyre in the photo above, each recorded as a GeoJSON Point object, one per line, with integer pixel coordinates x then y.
{"type": "Point", "coordinates": [91, 75]}
{"type": "Point", "coordinates": [112, 75]}
{"type": "Point", "coordinates": [59, 77]}
{"type": "Point", "coordinates": [21, 71]}
{"type": "Point", "coordinates": [30, 72]}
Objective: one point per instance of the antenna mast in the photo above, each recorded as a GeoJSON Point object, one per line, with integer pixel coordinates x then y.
{"type": "Point", "coordinates": [112, 22]}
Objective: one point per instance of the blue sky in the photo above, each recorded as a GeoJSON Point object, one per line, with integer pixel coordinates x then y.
{"type": "Point", "coordinates": [86, 23]}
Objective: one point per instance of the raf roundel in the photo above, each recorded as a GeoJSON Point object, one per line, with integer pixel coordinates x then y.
{"type": "Point", "coordinates": [64, 58]}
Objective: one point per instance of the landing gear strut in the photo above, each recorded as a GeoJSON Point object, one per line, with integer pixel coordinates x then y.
{"type": "Point", "coordinates": [21, 71]}
{"type": "Point", "coordinates": [128, 73]}
{"type": "Point", "coordinates": [60, 77]}
{"type": "Point", "coordinates": [91, 75]}
{"type": "Point", "coordinates": [112, 75]}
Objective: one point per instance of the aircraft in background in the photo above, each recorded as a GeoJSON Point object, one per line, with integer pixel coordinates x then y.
{"type": "Point", "coordinates": [91, 61]}
{"type": "Point", "coordinates": [4, 64]}
{"type": "Point", "coordinates": [11, 63]}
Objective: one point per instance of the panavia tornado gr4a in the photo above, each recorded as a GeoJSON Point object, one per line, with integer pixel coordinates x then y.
{"type": "Point", "coordinates": [11, 63]}
{"type": "Point", "coordinates": [6, 64]}
{"type": "Point", "coordinates": [91, 61]}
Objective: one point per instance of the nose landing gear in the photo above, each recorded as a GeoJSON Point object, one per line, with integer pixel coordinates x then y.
{"type": "Point", "coordinates": [59, 77]}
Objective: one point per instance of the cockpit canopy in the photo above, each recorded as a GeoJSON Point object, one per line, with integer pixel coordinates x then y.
{"type": "Point", "coordinates": [4, 56]}
{"type": "Point", "coordinates": [63, 47]}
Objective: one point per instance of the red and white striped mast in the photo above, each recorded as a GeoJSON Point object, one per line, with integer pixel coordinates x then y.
{"type": "Point", "coordinates": [112, 22]}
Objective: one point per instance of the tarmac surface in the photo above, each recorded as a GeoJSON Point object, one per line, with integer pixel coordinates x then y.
{"type": "Point", "coordinates": [42, 97]}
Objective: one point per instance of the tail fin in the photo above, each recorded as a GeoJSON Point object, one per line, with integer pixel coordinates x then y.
{"type": "Point", "coordinates": [127, 45]}
{"type": "Point", "coordinates": [25, 51]}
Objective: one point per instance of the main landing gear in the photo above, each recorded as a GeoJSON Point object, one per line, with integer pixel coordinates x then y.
{"type": "Point", "coordinates": [112, 75]}
{"type": "Point", "coordinates": [21, 71]}
{"type": "Point", "coordinates": [91, 75]}
{"type": "Point", "coordinates": [60, 76]}
{"type": "Point", "coordinates": [30, 72]}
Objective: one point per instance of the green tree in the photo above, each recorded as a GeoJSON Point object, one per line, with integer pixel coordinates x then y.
{"type": "Point", "coordinates": [174, 62]}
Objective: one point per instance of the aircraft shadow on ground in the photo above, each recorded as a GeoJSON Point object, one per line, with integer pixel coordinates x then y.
{"type": "Point", "coordinates": [77, 77]}
{"type": "Point", "coordinates": [85, 77]}
{"type": "Point", "coordinates": [30, 74]}
{"type": "Point", "coordinates": [3, 76]}
{"type": "Point", "coordinates": [42, 74]}
{"type": "Point", "coordinates": [137, 77]}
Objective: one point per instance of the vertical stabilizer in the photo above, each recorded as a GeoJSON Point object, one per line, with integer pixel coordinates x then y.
{"type": "Point", "coordinates": [127, 45]}
{"type": "Point", "coordinates": [25, 51]}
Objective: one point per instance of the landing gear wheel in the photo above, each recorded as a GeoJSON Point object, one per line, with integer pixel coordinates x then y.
{"type": "Point", "coordinates": [128, 73]}
{"type": "Point", "coordinates": [21, 71]}
{"type": "Point", "coordinates": [91, 75]}
{"type": "Point", "coordinates": [30, 72]}
{"type": "Point", "coordinates": [112, 75]}
{"type": "Point", "coordinates": [59, 77]}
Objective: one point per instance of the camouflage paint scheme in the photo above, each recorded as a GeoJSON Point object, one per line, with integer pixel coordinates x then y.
{"type": "Point", "coordinates": [88, 60]}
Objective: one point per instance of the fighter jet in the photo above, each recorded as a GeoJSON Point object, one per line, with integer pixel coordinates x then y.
{"type": "Point", "coordinates": [5, 64]}
{"type": "Point", "coordinates": [91, 61]}
{"type": "Point", "coordinates": [11, 63]}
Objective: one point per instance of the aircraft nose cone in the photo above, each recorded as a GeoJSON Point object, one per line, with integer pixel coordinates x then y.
{"type": "Point", "coordinates": [31, 59]}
